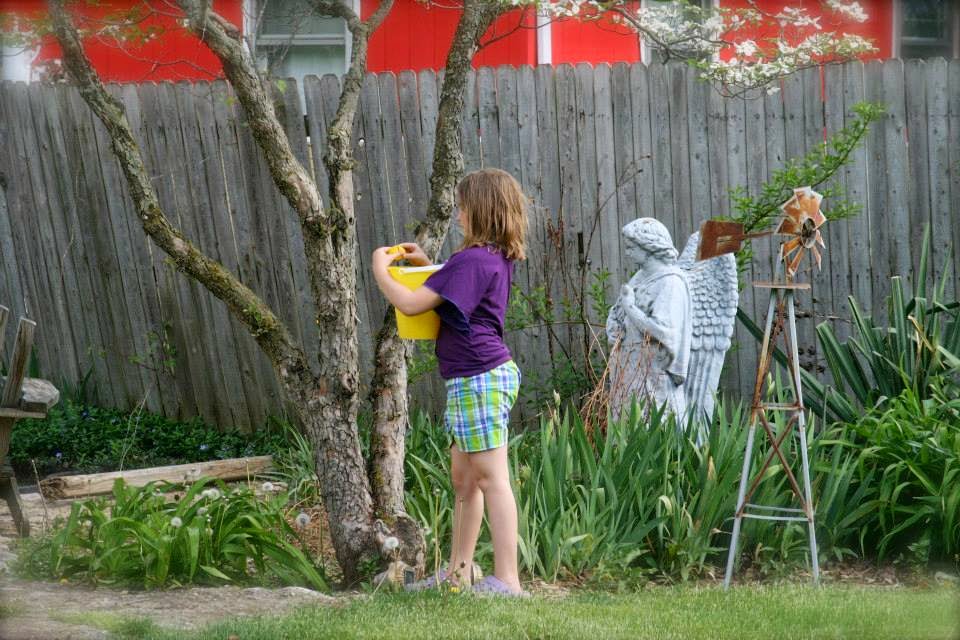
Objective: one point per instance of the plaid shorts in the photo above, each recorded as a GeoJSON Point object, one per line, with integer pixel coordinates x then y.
{"type": "Point", "coordinates": [478, 407]}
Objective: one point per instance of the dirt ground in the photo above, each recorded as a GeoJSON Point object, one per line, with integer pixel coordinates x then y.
{"type": "Point", "coordinates": [49, 611]}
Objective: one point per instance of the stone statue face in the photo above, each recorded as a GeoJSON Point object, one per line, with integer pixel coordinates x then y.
{"type": "Point", "coordinates": [637, 254]}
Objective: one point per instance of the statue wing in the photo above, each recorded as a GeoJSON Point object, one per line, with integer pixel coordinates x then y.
{"type": "Point", "coordinates": [713, 296]}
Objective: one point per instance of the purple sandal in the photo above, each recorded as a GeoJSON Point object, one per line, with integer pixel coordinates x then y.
{"type": "Point", "coordinates": [430, 582]}
{"type": "Point", "coordinates": [494, 586]}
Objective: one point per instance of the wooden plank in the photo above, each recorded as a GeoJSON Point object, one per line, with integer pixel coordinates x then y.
{"type": "Point", "coordinates": [302, 315]}
{"type": "Point", "coordinates": [508, 127]}
{"type": "Point", "coordinates": [216, 235]}
{"type": "Point", "coordinates": [953, 91]}
{"type": "Point", "coordinates": [918, 186]}
{"type": "Point", "coordinates": [197, 223]}
{"type": "Point", "coordinates": [386, 229]}
{"type": "Point", "coordinates": [834, 282]}
{"type": "Point", "coordinates": [397, 175]}
{"type": "Point", "coordinates": [418, 175]}
{"type": "Point", "coordinates": [372, 308]}
{"type": "Point", "coordinates": [529, 149]}
{"type": "Point", "coordinates": [680, 155]}
{"type": "Point", "coordinates": [19, 360]}
{"type": "Point", "coordinates": [141, 268]}
{"type": "Point", "coordinates": [489, 122]}
{"type": "Point", "coordinates": [95, 223]}
{"type": "Point", "coordinates": [879, 214]}
{"type": "Point", "coordinates": [590, 231]}
{"type": "Point", "coordinates": [626, 168]}
{"type": "Point", "coordinates": [110, 381]}
{"type": "Point", "coordinates": [181, 295]}
{"type": "Point", "coordinates": [938, 155]}
{"type": "Point", "coordinates": [119, 209]}
{"type": "Point", "coordinates": [58, 488]}
{"type": "Point", "coordinates": [258, 378]}
{"type": "Point", "coordinates": [60, 236]}
{"type": "Point", "coordinates": [897, 169]}
{"type": "Point", "coordinates": [429, 104]}
{"type": "Point", "coordinates": [609, 180]}
{"type": "Point", "coordinates": [36, 237]}
{"type": "Point", "coordinates": [316, 128]}
{"type": "Point", "coordinates": [169, 284]}
{"type": "Point", "coordinates": [662, 146]}
{"type": "Point", "coordinates": [754, 163]}
{"type": "Point", "coordinates": [552, 195]}
{"type": "Point", "coordinates": [698, 130]}
{"type": "Point", "coordinates": [568, 224]}
{"type": "Point", "coordinates": [11, 287]}
{"type": "Point", "coordinates": [857, 250]}
{"type": "Point", "coordinates": [730, 381]}
{"type": "Point", "coordinates": [746, 345]}
{"type": "Point", "coordinates": [4, 317]}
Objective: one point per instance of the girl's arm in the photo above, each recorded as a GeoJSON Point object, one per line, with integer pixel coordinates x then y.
{"type": "Point", "coordinates": [408, 302]}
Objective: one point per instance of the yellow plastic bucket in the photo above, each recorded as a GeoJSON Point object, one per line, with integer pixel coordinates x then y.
{"type": "Point", "coordinates": [423, 326]}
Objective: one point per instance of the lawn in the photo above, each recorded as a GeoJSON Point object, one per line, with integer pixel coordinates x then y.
{"type": "Point", "coordinates": [681, 613]}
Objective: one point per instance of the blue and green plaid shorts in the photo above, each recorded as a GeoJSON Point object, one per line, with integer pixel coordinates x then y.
{"type": "Point", "coordinates": [478, 407]}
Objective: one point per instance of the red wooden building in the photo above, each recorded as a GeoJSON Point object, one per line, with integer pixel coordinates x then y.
{"type": "Point", "coordinates": [416, 35]}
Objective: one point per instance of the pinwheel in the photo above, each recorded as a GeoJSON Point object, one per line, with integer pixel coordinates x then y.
{"type": "Point", "coordinates": [801, 221]}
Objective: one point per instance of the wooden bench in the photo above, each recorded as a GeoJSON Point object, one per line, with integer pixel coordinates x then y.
{"type": "Point", "coordinates": [21, 397]}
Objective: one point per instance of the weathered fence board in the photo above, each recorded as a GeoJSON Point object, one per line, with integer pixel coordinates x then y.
{"type": "Point", "coordinates": [592, 147]}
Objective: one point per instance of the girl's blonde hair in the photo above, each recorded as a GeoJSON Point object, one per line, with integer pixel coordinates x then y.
{"type": "Point", "coordinates": [496, 211]}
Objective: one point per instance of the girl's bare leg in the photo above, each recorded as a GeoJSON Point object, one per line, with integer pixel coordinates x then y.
{"type": "Point", "coordinates": [467, 514]}
{"type": "Point", "coordinates": [491, 470]}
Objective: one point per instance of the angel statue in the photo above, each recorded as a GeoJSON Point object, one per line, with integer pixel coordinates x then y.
{"type": "Point", "coordinates": [671, 326]}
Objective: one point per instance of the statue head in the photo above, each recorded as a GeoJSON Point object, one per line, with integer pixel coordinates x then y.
{"type": "Point", "coordinates": [647, 238]}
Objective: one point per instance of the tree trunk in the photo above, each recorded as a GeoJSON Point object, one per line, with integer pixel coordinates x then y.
{"type": "Point", "coordinates": [389, 388]}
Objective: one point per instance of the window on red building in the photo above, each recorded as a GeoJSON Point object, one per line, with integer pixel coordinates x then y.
{"type": "Point", "coordinates": [929, 28]}
{"type": "Point", "coordinates": [295, 42]}
{"type": "Point", "coordinates": [650, 49]}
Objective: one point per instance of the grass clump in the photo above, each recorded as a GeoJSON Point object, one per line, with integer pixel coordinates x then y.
{"type": "Point", "coordinates": [208, 534]}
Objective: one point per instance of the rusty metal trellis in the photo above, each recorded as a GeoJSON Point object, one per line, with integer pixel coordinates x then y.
{"type": "Point", "coordinates": [801, 222]}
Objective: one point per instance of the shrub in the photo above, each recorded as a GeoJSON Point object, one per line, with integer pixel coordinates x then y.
{"type": "Point", "coordinates": [908, 451]}
{"type": "Point", "coordinates": [208, 535]}
{"type": "Point", "coordinates": [644, 500]}
{"type": "Point", "coordinates": [82, 438]}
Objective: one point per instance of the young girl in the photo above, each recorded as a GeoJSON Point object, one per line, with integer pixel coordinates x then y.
{"type": "Point", "coordinates": [470, 295]}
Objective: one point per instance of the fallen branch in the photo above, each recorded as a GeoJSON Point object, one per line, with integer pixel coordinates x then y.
{"type": "Point", "coordinates": [98, 483]}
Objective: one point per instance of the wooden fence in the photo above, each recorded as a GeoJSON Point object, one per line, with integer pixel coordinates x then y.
{"type": "Point", "coordinates": [594, 147]}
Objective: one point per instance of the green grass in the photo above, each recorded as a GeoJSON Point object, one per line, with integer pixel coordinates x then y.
{"type": "Point", "coordinates": [668, 613]}
{"type": "Point", "coordinates": [117, 624]}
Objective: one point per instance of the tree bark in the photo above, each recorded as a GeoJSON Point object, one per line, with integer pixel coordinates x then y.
{"type": "Point", "coordinates": [389, 388]}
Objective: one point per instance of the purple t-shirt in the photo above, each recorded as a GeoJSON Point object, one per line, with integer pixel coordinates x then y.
{"type": "Point", "coordinates": [475, 287]}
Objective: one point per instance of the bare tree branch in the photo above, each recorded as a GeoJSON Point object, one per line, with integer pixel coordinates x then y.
{"type": "Point", "coordinates": [268, 330]}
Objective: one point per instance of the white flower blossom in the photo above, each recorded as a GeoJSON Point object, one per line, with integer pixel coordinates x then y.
{"type": "Point", "coordinates": [303, 519]}
{"type": "Point", "coordinates": [211, 494]}
{"type": "Point", "coordinates": [390, 544]}
{"type": "Point", "coordinates": [176, 522]}
{"type": "Point", "coordinates": [266, 487]}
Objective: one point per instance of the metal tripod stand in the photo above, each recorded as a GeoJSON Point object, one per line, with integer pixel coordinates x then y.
{"type": "Point", "coordinates": [780, 317]}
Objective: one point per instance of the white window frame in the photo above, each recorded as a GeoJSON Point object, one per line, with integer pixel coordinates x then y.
{"type": "Point", "coordinates": [251, 9]}
{"type": "Point", "coordinates": [646, 51]}
{"type": "Point", "coordinates": [897, 48]}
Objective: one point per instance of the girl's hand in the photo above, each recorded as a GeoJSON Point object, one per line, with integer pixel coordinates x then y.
{"type": "Point", "coordinates": [381, 259]}
{"type": "Point", "coordinates": [413, 254]}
